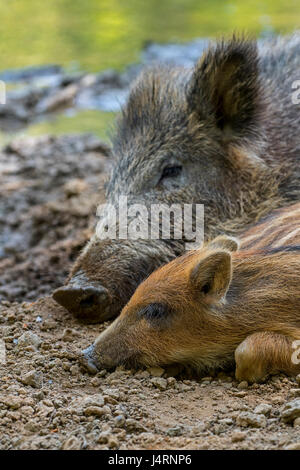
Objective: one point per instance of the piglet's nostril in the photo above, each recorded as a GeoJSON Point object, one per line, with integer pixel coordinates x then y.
{"type": "Point", "coordinates": [87, 360]}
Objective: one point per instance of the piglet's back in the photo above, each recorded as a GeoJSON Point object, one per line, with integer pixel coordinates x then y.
{"type": "Point", "coordinates": [280, 231]}
{"type": "Point", "coordinates": [266, 272]}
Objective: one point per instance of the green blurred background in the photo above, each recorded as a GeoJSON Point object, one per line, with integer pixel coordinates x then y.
{"type": "Point", "coordinates": [100, 34]}
{"type": "Point", "coordinates": [94, 35]}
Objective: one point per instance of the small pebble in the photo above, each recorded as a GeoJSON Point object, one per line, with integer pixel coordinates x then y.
{"type": "Point", "coordinates": [33, 378]}
{"type": "Point", "coordinates": [238, 436]}
{"type": "Point", "coordinates": [72, 443]}
{"type": "Point", "coordinates": [175, 431]}
{"type": "Point", "coordinates": [159, 383]}
{"type": "Point", "coordinates": [295, 446]}
{"type": "Point", "coordinates": [246, 419]}
{"type": "Point", "coordinates": [263, 409]}
{"type": "Point", "coordinates": [290, 411]}
{"type": "Point", "coordinates": [29, 339]}
{"type": "Point", "coordinates": [242, 385]}
{"type": "Point", "coordinates": [156, 371]}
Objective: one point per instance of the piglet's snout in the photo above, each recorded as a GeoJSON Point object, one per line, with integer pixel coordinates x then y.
{"type": "Point", "coordinates": [88, 361]}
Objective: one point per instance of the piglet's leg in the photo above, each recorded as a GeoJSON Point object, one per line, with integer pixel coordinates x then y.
{"type": "Point", "coordinates": [264, 353]}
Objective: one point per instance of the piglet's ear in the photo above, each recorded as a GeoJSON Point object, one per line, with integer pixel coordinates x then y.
{"type": "Point", "coordinates": [211, 275]}
{"type": "Point", "coordinates": [224, 88]}
{"type": "Point", "coordinates": [225, 242]}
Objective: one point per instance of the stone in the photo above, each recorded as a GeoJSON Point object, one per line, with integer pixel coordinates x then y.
{"type": "Point", "coordinates": [242, 385]}
{"type": "Point", "coordinates": [175, 431]}
{"type": "Point", "coordinates": [295, 446]}
{"type": "Point", "coordinates": [97, 410]}
{"type": "Point", "coordinates": [82, 403]}
{"type": "Point", "coordinates": [104, 437]}
{"type": "Point", "coordinates": [113, 442]}
{"type": "Point", "coordinates": [112, 393]}
{"type": "Point", "coordinates": [263, 409]}
{"type": "Point", "coordinates": [171, 381]}
{"type": "Point", "coordinates": [72, 443]}
{"type": "Point", "coordinates": [159, 383]}
{"type": "Point", "coordinates": [247, 419]}
{"type": "Point", "coordinates": [238, 436]}
{"type": "Point", "coordinates": [33, 378]}
{"type": "Point", "coordinates": [95, 381]}
{"type": "Point", "coordinates": [290, 411]}
{"type": "Point", "coordinates": [156, 371]}
{"type": "Point", "coordinates": [29, 339]}
{"type": "Point", "coordinates": [133, 425]}
{"type": "Point", "coordinates": [69, 335]}
{"type": "Point", "coordinates": [32, 426]}
{"type": "Point", "coordinates": [11, 401]}
{"type": "Point", "coordinates": [119, 421]}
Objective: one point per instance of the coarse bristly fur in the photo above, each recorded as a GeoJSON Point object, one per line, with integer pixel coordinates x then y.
{"type": "Point", "coordinates": [231, 131]}
{"type": "Point", "coordinates": [217, 304]}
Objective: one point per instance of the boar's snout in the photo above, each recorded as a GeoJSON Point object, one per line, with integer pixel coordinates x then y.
{"type": "Point", "coordinates": [87, 303]}
{"type": "Point", "coordinates": [88, 360]}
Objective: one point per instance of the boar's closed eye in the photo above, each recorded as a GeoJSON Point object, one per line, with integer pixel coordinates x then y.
{"type": "Point", "coordinates": [155, 313]}
{"type": "Point", "coordinates": [171, 172]}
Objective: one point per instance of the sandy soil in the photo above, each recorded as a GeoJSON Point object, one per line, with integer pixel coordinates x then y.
{"type": "Point", "coordinates": [49, 188]}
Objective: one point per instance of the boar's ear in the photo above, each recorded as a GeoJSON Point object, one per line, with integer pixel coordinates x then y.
{"type": "Point", "coordinates": [225, 87]}
{"type": "Point", "coordinates": [225, 242]}
{"type": "Point", "coordinates": [211, 276]}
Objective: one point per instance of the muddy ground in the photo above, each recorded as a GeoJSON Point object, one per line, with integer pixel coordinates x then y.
{"type": "Point", "coordinates": [49, 189]}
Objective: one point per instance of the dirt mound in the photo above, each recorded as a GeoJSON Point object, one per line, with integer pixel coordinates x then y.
{"type": "Point", "coordinates": [49, 191]}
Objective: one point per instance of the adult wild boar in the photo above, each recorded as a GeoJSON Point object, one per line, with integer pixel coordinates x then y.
{"type": "Point", "coordinates": [224, 134]}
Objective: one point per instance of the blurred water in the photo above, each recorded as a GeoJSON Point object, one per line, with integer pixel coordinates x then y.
{"type": "Point", "coordinates": [100, 34]}
{"type": "Point", "coordinates": [95, 35]}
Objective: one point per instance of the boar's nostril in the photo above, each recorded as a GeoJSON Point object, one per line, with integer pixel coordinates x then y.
{"type": "Point", "coordinates": [92, 296]}
{"type": "Point", "coordinates": [88, 301]}
{"type": "Point", "coordinates": [82, 300]}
